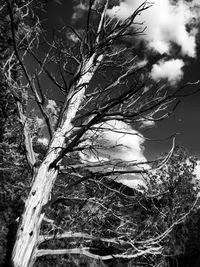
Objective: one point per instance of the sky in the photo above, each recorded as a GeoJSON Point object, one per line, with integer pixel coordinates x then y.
{"type": "Point", "coordinates": [172, 34]}
{"type": "Point", "coordinates": [166, 30]}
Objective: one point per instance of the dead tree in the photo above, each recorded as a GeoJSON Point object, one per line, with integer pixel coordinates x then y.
{"type": "Point", "coordinates": [99, 53]}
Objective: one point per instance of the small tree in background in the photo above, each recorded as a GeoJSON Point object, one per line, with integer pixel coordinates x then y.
{"type": "Point", "coordinates": [109, 222]}
{"type": "Point", "coordinates": [175, 191]}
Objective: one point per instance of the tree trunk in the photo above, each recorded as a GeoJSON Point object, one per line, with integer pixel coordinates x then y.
{"type": "Point", "coordinates": [25, 249]}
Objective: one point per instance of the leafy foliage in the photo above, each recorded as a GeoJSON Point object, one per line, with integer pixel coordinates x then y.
{"type": "Point", "coordinates": [14, 171]}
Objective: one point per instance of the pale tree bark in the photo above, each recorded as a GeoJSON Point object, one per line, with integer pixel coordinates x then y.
{"type": "Point", "coordinates": [25, 250]}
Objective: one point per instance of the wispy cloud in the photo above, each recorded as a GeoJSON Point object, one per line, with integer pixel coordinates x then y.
{"type": "Point", "coordinates": [149, 123]}
{"type": "Point", "coordinates": [118, 142]}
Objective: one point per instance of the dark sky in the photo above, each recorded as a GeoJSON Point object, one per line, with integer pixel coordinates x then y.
{"type": "Point", "coordinates": [186, 119]}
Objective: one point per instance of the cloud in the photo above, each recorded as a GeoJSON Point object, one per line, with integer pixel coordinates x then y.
{"type": "Point", "coordinates": [170, 70]}
{"type": "Point", "coordinates": [79, 10]}
{"type": "Point", "coordinates": [116, 142]}
{"type": "Point", "coordinates": [43, 141]}
{"type": "Point", "coordinates": [147, 124]}
{"type": "Point", "coordinates": [166, 22]}
{"type": "Point", "coordinates": [169, 24]}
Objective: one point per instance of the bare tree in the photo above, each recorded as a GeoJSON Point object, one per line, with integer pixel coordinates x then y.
{"type": "Point", "coordinates": [101, 80]}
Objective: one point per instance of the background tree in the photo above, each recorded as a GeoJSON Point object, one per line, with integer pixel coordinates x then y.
{"type": "Point", "coordinates": [108, 222]}
{"type": "Point", "coordinates": [102, 82]}
{"type": "Point", "coordinates": [14, 171]}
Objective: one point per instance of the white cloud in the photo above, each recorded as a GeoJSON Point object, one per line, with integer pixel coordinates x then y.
{"type": "Point", "coordinates": [170, 70]}
{"type": "Point", "coordinates": [43, 141]}
{"type": "Point", "coordinates": [166, 23]}
{"type": "Point", "coordinates": [147, 124]}
{"type": "Point", "coordinates": [116, 141]}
